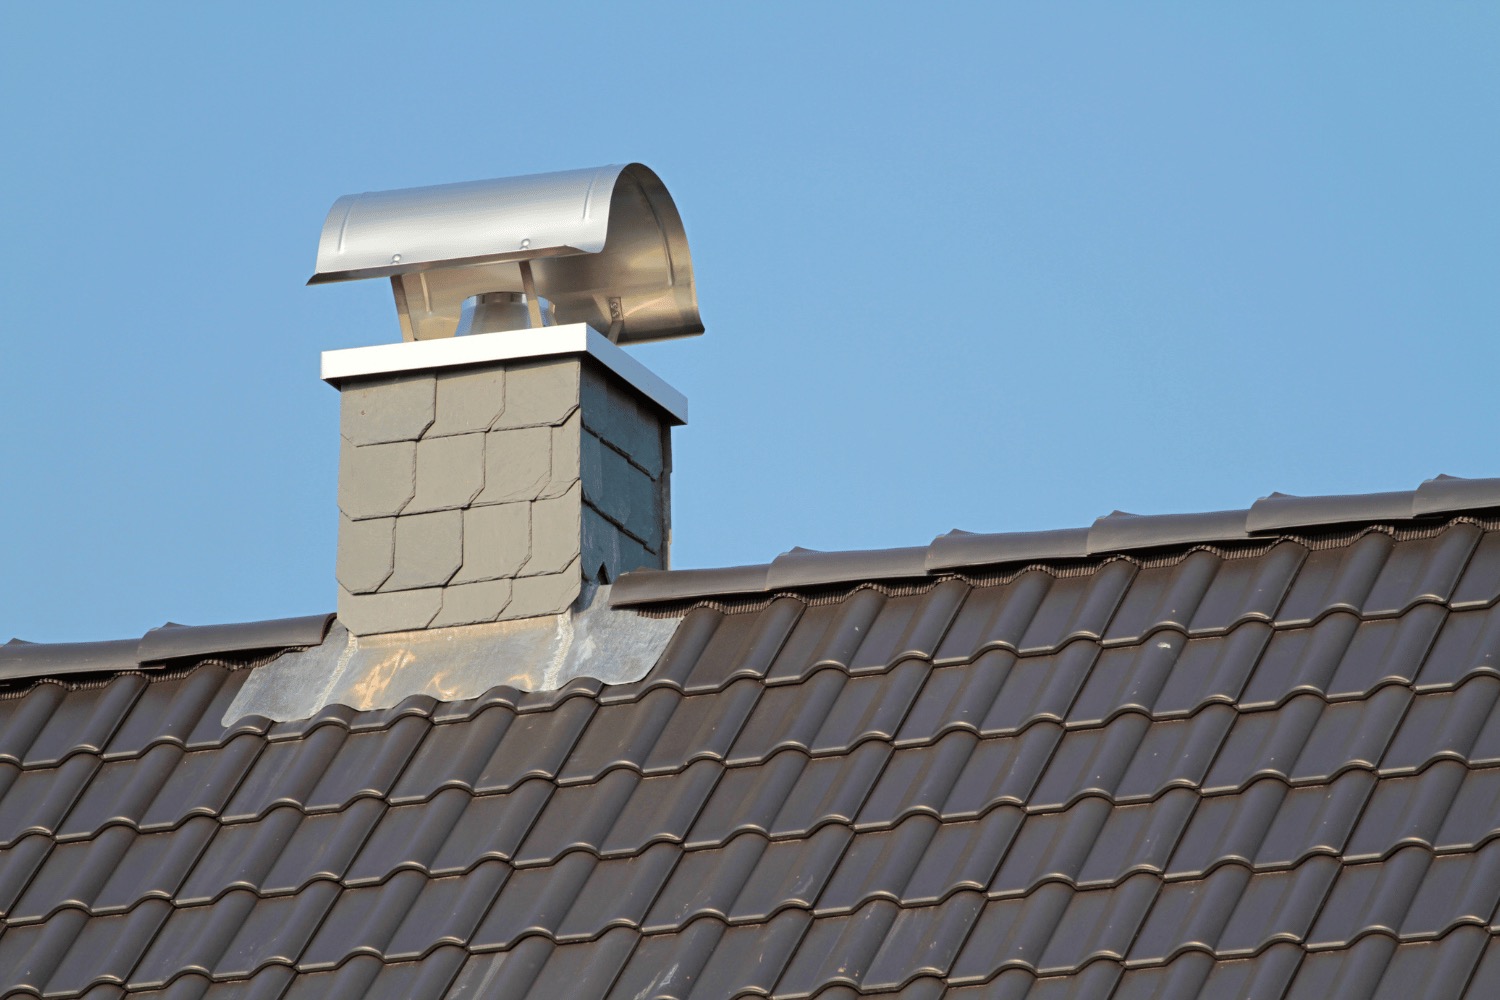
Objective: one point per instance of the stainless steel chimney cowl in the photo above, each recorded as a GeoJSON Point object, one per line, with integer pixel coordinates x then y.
{"type": "Point", "coordinates": [603, 246]}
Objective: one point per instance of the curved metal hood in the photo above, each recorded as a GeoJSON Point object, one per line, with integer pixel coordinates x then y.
{"type": "Point", "coordinates": [606, 247]}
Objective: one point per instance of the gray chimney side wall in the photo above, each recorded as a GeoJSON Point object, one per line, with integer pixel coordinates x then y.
{"type": "Point", "coordinates": [492, 493]}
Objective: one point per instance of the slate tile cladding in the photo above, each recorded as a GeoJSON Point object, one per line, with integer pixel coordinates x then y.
{"type": "Point", "coordinates": [489, 493]}
{"type": "Point", "coordinates": [1277, 775]}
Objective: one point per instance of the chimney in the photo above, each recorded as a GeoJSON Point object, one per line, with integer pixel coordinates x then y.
{"type": "Point", "coordinates": [507, 452]}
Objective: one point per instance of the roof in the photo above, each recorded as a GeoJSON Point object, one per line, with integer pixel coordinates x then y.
{"type": "Point", "coordinates": [1268, 766]}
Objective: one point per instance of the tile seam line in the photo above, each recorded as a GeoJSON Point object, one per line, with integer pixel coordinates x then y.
{"type": "Point", "coordinates": [1291, 782]}
{"type": "Point", "coordinates": [945, 977]}
{"type": "Point", "coordinates": [258, 724]}
{"type": "Point", "coordinates": [984, 895]}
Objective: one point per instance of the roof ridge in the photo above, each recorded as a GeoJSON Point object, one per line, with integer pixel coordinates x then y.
{"type": "Point", "coordinates": [1268, 519]}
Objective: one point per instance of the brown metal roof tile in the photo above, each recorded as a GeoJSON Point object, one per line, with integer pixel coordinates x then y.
{"type": "Point", "coordinates": [1479, 587]}
{"type": "Point", "coordinates": [322, 847]}
{"type": "Point", "coordinates": [704, 727]}
{"type": "Point", "coordinates": [661, 808]}
{"type": "Point", "coordinates": [790, 873]}
{"type": "Point", "coordinates": [620, 735]}
{"type": "Point", "coordinates": [877, 864]}
{"type": "Point", "coordinates": [1277, 906]}
{"type": "Point", "coordinates": [1164, 597]}
{"type": "Point", "coordinates": [1248, 589]}
{"type": "Point", "coordinates": [585, 969]}
{"type": "Point", "coordinates": [753, 957]}
{"type": "Point", "coordinates": [1405, 811]}
{"type": "Point", "coordinates": [1212, 669]}
{"type": "Point", "coordinates": [1467, 644]}
{"type": "Point", "coordinates": [490, 826]}
{"type": "Point", "coordinates": [578, 817]}
{"type": "Point", "coordinates": [1038, 688]}
{"type": "Point", "coordinates": [618, 892]}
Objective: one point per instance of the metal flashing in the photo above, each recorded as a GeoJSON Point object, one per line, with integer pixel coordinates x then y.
{"type": "Point", "coordinates": [452, 664]}
{"type": "Point", "coordinates": [572, 340]}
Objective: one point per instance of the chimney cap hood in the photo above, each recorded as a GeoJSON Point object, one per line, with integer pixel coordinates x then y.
{"type": "Point", "coordinates": [606, 245]}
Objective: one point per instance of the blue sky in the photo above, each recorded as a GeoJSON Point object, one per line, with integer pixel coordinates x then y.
{"type": "Point", "coordinates": [997, 267]}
